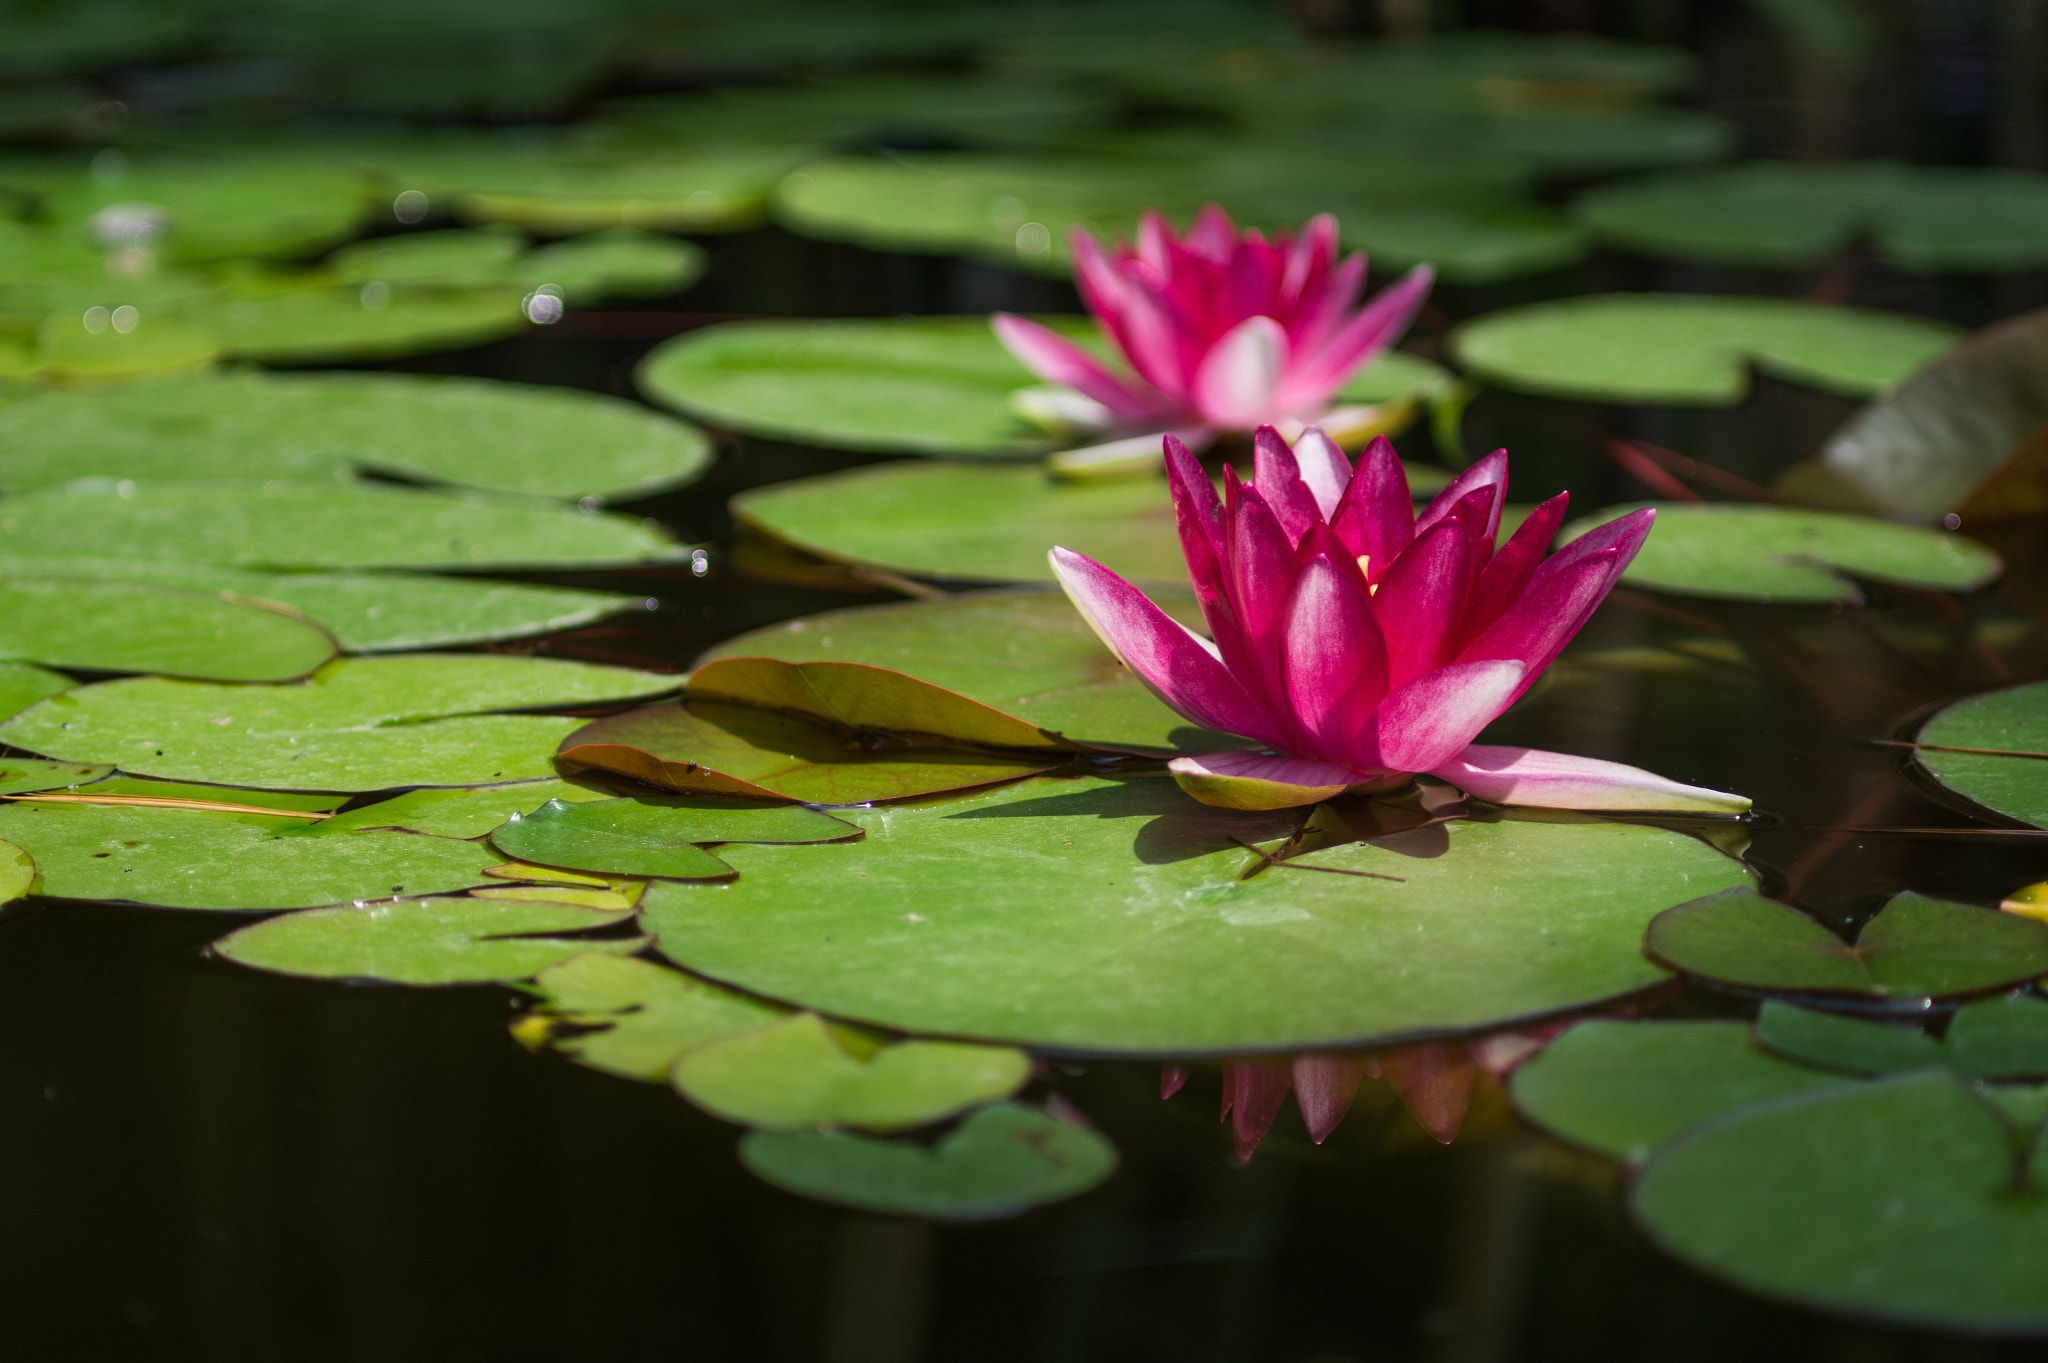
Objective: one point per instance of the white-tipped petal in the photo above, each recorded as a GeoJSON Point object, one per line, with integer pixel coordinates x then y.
{"type": "Point", "coordinates": [1553, 780]}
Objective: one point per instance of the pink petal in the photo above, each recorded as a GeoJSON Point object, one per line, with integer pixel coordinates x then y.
{"type": "Point", "coordinates": [1177, 664]}
{"type": "Point", "coordinates": [1561, 597]}
{"type": "Point", "coordinates": [1212, 233]}
{"type": "Point", "coordinates": [1324, 1087]}
{"type": "Point", "coordinates": [1335, 659]}
{"type": "Point", "coordinates": [1552, 780]}
{"type": "Point", "coordinates": [1171, 1078]}
{"type": "Point", "coordinates": [1424, 724]}
{"type": "Point", "coordinates": [1237, 380]}
{"type": "Point", "coordinates": [1309, 257]}
{"type": "Point", "coordinates": [1324, 468]}
{"type": "Point", "coordinates": [1278, 478]}
{"type": "Point", "coordinates": [1624, 534]}
{"type": "Point", "coordinates": [1259, 576]}
{"type": "Point", "coordinates": [1056, 359]}
{"type": "Point", "coordinates": [1376, 518]}
{"type": "Point", "coordinates": [1253, 1091]}
{"type": "Point", "coordinates": [1375, 327]}
{"type": "Point", "coordinates": [1199, 514]}
{"type": "Point", "coordinates": [1319, 314]}
{"type": "Point", "coordinates": [1490, 472]}
{"type": "Point", "coordinates": [1247, 780]}
{"type": "Point", "coordinates": [1434, 1082]}
{"type": "Point", "coordinates": [1505, 578]}
{"type": "Point", "coordinates": [1419, 600]}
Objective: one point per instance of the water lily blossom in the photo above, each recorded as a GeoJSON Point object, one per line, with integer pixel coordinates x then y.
{"type": "Point", "coordinates": [1223, 331]}
{"type": "Point", "coordinates": [1358, 643]}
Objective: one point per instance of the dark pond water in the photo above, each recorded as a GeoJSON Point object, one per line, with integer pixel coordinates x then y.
{"type": "Point", "coordinates": [203, 1162]}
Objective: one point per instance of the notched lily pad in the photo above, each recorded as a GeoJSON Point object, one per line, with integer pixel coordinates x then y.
{"type": "Point", "coordinates": [805, 1072]}
{"type": "Point", "coordinates": [1000, 1162]}
{"type": "Point", "coordinates": [22, 685]}
{"type": "Point", "coordinates": [2008, 772]}
{"type": "Point", "coordinates": [424, 941]}
{"type": "Point", "coordinates": [1915, 947]}
{"type": "Point", "coordinates": [655, 835]}
{"type": "Point", "coordinates": [633, 1018]}
{"type": "Point", "coordinates": [140, 627]}
{"type": "Point", "coordinates": [1997, 1038]}
{"type": "Point", "coordinates": [1780, 554]}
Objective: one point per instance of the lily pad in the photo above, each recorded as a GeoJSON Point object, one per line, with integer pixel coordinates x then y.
{"type": "Point", "coordinates": [1789, 215]}
{"type": "Point", "coordinates": [360, 724]}
{"type": "Point", "coordinates": [1833, 1199]}
{"type": "Point", "coordinates": [1121, 916]}
{"type": "Point", "coordinates": [1028, 654]}
{"type": "Point", "coordinates": [583, 270]}
{"type": "Point", "coordinates": [316, 525]}
{"type": "Point", "coordinates": [657, 835]}
{"type": "Point", "coordinates": [17, 872]}
{"type": "Point", "coordinates": [2001, 1038]}
{"type": "Point", "coordinates": [30, 773]}
{"type": "Point", "coordinates": [1625, 1088]}
{"type": "Point", "coordinates": [1000, 1162]}
{"type": "Point", "coordinates": [2014, 720]}
{"type": "Point", "coordinates": [185, 859]}
{"type": "Point", "coordinates": [713, 748]}
{"type": "Point", "coordinates": [22, 685]}
{"type": "Point", "coordinates": [498, 437]}
{"type": "Point", "coordinates": [138, 627]}
{"type": "Point", "coordinates": [320, 325]}
{"type": "Point", "coordinates": [423, 941]}
{"type": "Point", "coordinates": [641, 1015]}
{"type": "Point", "coordinates": [1835, 1042]}
{"type": "Point", "coordinates": [712, 191]}
{"type": "Point", "coordinates": [920, 385]}
{"type": "Point", "coordinates": [461, 813]}
{"type": "Point", "coordinates": [1694, 351]}
{"type": "Point", "coordinates": [1915, 947]}
{"type": "Point", "coordinates": [804, 1072]}
{"type": "Point", "coordinates": [1738, 552]}
{"type": "Point", "coordinates": [213, 208]}
{"type": "Point", "coordinates": [865, 699]}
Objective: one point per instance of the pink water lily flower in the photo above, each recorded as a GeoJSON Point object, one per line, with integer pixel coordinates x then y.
{"type": "Point", "coordinates": [1222, 329]}
{"type": "Point", "coordinates": [1360, 643]}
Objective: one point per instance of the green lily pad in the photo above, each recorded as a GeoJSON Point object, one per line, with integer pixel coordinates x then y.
{"type": "Point", "coordinates": [70, 350]}
{"type": "Point", "coordinates": [713, 748]}
{"type": "Point", "coordinates": [185, 859]}
{"type": "Point", "coordinates": [456, 258]}
{"type": "Point", "coordinates": [713, 191]}
{"type": "Point", "coordinates": [316, 525]}
{"type": "Point", "coordinates": [583, 270]}
{"type": "Point", "coordinates": [804, 1072]}
{"type": "Point", "coordinates": [423, 941]}
{"type": "Point", "coordinates": [23, 684]}
{"type": "Point", "coordinates": [1834, 1199]}
{"type": "Point", "coordinates": [1029, 654]}
{"type": "Point", "coordinates": [2014, 720]}
{"type": "Point", "coordinates": [1625, 1088]}
{"type": "Point", "coordinates": [1740, 552]}
{"type": "Point", "coordinates": [30, 773]}
{"type": "Point", "coordinates": [1790, 215]}
{"type": "Point", "coordinates": [139, 627]}
{"type": "Point", "coordinates": [618, 262]}
{"type": "Point", "coordinates": [358, 724]}
{"type": "Point", "coordinates": [921, 385]}
{"type": "Point", "coordinates": [1685, 350]}
{"type": "Point", "coordinates": [318, 325]}
{"type": "Point", "coordinates": [2001, 1038]}
{"type": "Point", "coordinates": [657, 835]}
{"type": "Point", "coordinates": [17, 872]}
{"type": "Point", "coordinates": [365, 612]}
{"type": "Point", "coordinates": [213, 208]}
{"type": "Point", "coordinates": [460, 813]}
{"type": "Point", "coordinates": [498, 437]}
{"type": "Point", "coordinates": [1000, 1162]}
{"type": "Point", "coordinates": [1845, 1043]}
{"type": "Point", "coordinates": [1096, 915]}
{"type": "Point", "coordinates": [645, 1015]}
{"type": "Point", "coordinates": [1915, 947]}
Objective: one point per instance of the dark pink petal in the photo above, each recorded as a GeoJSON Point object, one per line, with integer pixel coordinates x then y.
{"type": "Point", "coordinates": [1177, 664]}
{"type": "Point", "coordinates": [1249, 780]}
{"type": "Point", "coordinates": [1624, 534]}
{"type": "Point", "coordinates": [1253, 1092]}
{"type": "Point", "coordinates": [1336, 661]}
{"type": "Point", "coordinates": [1278, 478]}
{"type": "Point", "coordinates": [1319, 314]}
{"type": "Point", "coordinates": [1490, 472]}
{"type": "Point", "coordinates": [1434, 1082]}
{"type": "Point", "coordinates": [1560, 599]}
{"type": "Point", "coordinates": [1419, 599]}
{"type": "Point", "coordinates": [1424, 724]}
{"type": "Point", "coordinates": [1375, 327]}
{"type": "Point", "coordinates": [1171, 1078]}
{"type": "Point", "coordinates": [1553, 780]}
{"type": "Point", "coordinates": [1212, 233]}
{"type": "Point", "coordinates": [1376, 518]}
{"type": "Point", "coordinates": [1235, 385]}
{"type": "Point", "coordinates": [1056, 359]}
{"type": "Point", "coordinates": [1199, 513]}
{"type": "Point", "coordinates": [1324, 1087]}
{"type": "Point", "coordinates": [1308, 259]}
{"type": "Point", "coordinates": [1324, 468]}
{"type": "Point", "coordinates": [1505, 578]}
{"type": "Point", "coordinates": [1259, 576]}
{"type": "Point", "coordinates": [1156, 239]}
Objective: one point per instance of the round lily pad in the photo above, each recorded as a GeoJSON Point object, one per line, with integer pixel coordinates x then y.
{"type": "Point", "coordinates": [1740, 552]}
{"type": "Point", "coordinates": [711, 191]}
{"type": "Point", "coordinates": [1000, 1162]}
{"type": "Point", "coordinates": [212, 208]}
{"type": "Point", "coordinates": [139, 627]}
{"type": "Point", "coordinates": [314, 524]}
{"type": "Point", "coordinates": [319, 325]}
{"type": "Point", "coordinates": [1625, 1088]}
{"type": "Point", "coordinates": [804, 1072]}
{"type": "Point", "coordinates": [500, 437]}
{"type": "Point", "coordinates": [2012, 721]}
{"type": "Point", "coordinates": [23, 684]}
{"type": "Point", "coordinates": [1028, 654]}
{"type": "Point", "coordinates": [359, 724]}
{"type": "Point", "coordinates": [1915, 947]}
{"type": "Point", "coordinates": [1835, 1199]}
{"type": "Point", "coordinates": [582, 270]}
{"type": "Point", "coordinates": [1686, 350]}
{"type": "Point", "coordinates": [632, 1018]}
{"type": "Point", "coordinates": [1789, 215]}
{"type": "Point", "coordinates": [657, 835]}
{"type": "Point", "coordinates": [1095, 915]}
{"type": "Point", "coordinates": [423, 941]}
